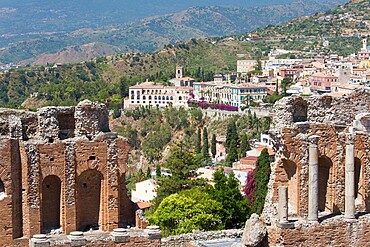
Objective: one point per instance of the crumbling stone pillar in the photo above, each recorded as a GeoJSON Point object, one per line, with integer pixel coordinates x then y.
{"type": "Point", "coordinates": [283, 204]}
{"type": "Point", "coordinates": [350, 178]}
{"type": "Point", "coordinates": [313, 182]}
{"type": "Point", "coordinates": [120, 235]}
{"type": "Point", "coordinates": [39, 240]}
{"type": "Point", "coordinates": [283, 208]}
{"type": "Point", "coordinates": [77, 239]}
{"type": "Point", "coordinates": [154, 232]}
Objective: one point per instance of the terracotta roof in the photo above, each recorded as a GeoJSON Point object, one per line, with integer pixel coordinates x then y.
{"type": "Point", "coordinates": [184, 78]}
{"type": "Point", "coordinates": [260, 148]}
{"type": "Point", "coordinates": [249, 158]}
{"type": "Point", "coordinates": [151, 85]}
{"type": "Point", "coordinates": [143, 205]}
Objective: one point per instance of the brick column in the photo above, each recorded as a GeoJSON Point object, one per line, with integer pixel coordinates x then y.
{"type": "Point", "coordinates": [313, 182]}
{"type": "Point", "coordinates": [350, 178]}
{"type": "Point", "coordinates": [69, 222]}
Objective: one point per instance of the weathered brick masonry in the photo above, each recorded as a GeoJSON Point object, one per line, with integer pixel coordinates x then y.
{"type": "Point", "coordinates": [336, 124]}
{"type": "Point", "coordinates": [61, 168]}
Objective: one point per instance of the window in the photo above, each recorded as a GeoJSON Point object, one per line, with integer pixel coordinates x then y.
{"type": "Point", "coordinates": [144, 98]}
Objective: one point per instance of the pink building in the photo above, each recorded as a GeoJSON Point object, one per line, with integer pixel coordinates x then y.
{"type": "Point", "coordinates": [321, 82]}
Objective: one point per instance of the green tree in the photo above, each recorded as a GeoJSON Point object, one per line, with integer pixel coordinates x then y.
{"type": "Point", "coordinates": [148, 173]}
{"type": "Point", "coordinates": [132, 136]}
{"type": "Point", "coordinates": [198, 144]}
{"type": "Point", "coordinates": [244, 146]}
{"type": "Point", "coordinates": [285, 83]}
{"type": "Point", "coordinates": [158, 172]}
{"type": "Point", "coordinates": [231, 133]}
{"type": "Point", "coordinates": [186, 211]}
{"type": "Point", "coordinates": [256, 188]}
{"type": "Point", "coordinates": [182, 164]}
{"type": "Point", "coordinates": [234, 205]}
{"type": "Point", "coordinates": [205, 148]}
{"type": "Point", "coordinates": [232, 154]}
{"type": "Point", "coordinates": [213, 145]}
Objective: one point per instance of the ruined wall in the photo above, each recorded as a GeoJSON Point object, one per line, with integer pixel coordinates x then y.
{"type": "Point", "coordinates": [332, 232]}
{"type": "Point", "coordinates": [191, 239]}
{"type": "Point", "coordinates": [296, 120]}
{"type": "Point", "coordinates": [320, 109]}
{"type": "Point", "coordinates": [61, 169]}
{"type": "Point", "coordinates": [10, 204]}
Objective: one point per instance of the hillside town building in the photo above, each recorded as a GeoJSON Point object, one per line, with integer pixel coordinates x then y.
{"type": "Point", "coordinates": [151, 94]}
{"type": "Point", "coordinates": [228, 93]}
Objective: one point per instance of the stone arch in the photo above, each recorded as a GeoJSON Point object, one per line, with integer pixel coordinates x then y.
{"type": "Point", "coordinates": [89, 189]}
{"type": "Point", "coordinates": [50, 208]}
{"type": "Point", "coordinates": [359, 185]}
{"type": "Point", "coordinates": [325, 178]}
{"type": "Point", "coordinates": [291, 171]}
{"type": "Point", "coordinates": [300, 109]}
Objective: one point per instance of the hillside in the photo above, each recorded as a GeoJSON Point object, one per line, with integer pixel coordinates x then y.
{"type": "Point", "coordinates": [342, 26]}
{"type": "Point", "coordinates": [152, 33]}
{"type": "Point", "coordinates": [106, 79]}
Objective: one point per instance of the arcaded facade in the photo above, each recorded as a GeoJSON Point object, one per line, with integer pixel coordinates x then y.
{"type": "Point", "coordinates": [323, 160]}
{"type": "Point", "coordinates": [61, 169]}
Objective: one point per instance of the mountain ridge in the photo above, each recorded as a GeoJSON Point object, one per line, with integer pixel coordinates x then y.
{"type": "Point", "coordinates": [152, 33]}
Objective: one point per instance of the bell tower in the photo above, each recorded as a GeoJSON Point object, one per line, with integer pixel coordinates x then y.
{"type": "Point", "coordinates": [179, 72]}
{"type": "Point", "coordinates": [364, 44]}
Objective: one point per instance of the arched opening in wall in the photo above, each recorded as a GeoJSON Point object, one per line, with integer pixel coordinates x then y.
{"type": "Point", "coordinates": [290, 169]}
{"type": "Point", "coordinates": [359, 185]}
{"type": "Point", "coordinates": [88, 200]}
{"type": "Point", "coordinates": [325, 181]}
{"type": "Point", "coordinates": [300, 111]}
{"type": "Point", "coordinates": [51, 187]}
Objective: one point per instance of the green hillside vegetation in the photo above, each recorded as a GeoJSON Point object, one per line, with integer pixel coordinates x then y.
{"type": "Point", "coordinates": [106, 79]}
{"type": "Point", "coordinates": [343, 27]}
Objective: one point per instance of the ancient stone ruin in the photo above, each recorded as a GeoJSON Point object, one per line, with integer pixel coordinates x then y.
{"type": "Point", "coordinates": [62, 170]}
{"type": "Point", "coordinates": [319, 189]}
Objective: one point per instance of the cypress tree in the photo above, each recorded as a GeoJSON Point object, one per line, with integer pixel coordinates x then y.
{"type": "Point", "coordinates": [231, 134]}
{"type": "Point", "coordinates": [244, 146]}
{"type": "Point", "coordinates": [148, 172]}
{"type": "Point", "coordinates": [198, 144]}
{"type": "Point", "coordinates": [205, 148]}
{"type": "Point", "coordinates": [233, 153]}
{"type": "Point", "coordinates": [158, 172]}
{"type": "Point", "coordinates": [213, 145]}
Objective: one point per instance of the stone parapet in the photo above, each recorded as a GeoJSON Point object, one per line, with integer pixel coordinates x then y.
{"type": "Point", "coordinates": [184, 240]}
{"type": "Point", "coordinates": [336, 231]}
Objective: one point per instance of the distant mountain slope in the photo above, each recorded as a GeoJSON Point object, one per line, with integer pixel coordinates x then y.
{"type": "Point", "coordinates": [68, 15]}
{"type": "Point", "coordinates": [152, 33]}
{"type": "Point", "coordinates": [108, 77]}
